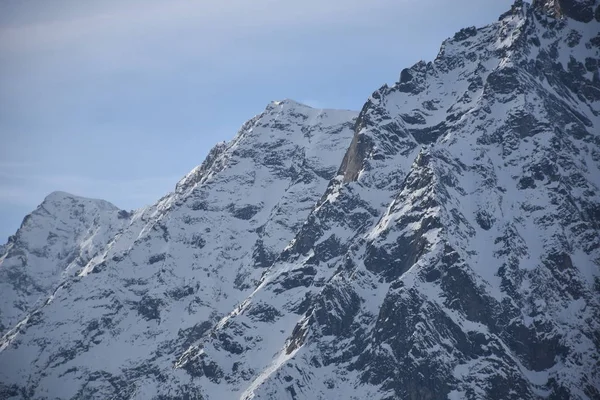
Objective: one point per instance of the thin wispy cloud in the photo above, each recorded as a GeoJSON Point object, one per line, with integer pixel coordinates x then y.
{"type": "Point", "coordinates": [134, 17]}
{"type": "Point", "coordinates": [129, 35]}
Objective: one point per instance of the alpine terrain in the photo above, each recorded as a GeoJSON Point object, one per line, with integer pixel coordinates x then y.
{"type": "Point", "coordinates": [442, 243]}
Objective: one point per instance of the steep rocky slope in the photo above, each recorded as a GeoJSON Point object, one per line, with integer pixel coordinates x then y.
{"type": "Point", "coordinates": [178, 266]}
{"type": "Point", "coordinates": [454, 254]}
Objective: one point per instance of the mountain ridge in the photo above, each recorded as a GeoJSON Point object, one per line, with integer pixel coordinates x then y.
{"type": "Point", "coordinates": [192, 221]}
{"type": "Point", "coordinates": [448, 246]}
{"type": "Point", "coordinates": [503, 86]}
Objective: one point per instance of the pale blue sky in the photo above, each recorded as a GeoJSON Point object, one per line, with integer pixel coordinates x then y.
{"type": "Point", "coordinates": [118, 99]}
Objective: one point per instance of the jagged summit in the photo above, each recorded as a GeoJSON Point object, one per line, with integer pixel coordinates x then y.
{"type": "Point", "coordinates": [580, 10]}
{"type": "Point", "coordinates": [285, 121]}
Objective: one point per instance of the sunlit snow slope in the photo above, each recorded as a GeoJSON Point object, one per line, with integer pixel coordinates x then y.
{"type": "Point", "coordinates": [443, 243]}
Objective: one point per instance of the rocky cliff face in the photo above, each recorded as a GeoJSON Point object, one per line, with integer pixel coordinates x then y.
{"type": "Point", "coordinates": [443, 243]}
{"type": "Point", "coordinates": [580, 10]}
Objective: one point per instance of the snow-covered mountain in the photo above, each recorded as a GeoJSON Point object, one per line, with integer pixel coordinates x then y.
{"type": "Point", "coordinates": [443, 243]}
{"type": "Point", "coordinates": [60, 236]}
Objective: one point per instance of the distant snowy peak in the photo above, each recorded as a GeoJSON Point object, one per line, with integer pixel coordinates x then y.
{"type": "Point", "coordinates": [70, 215]}
{"type": "Point", "coordinates": [57, 238]}
{"type": "Point", "coordinates": [57, 202]}
{"type": "Point", "coordinates": [60, 196]}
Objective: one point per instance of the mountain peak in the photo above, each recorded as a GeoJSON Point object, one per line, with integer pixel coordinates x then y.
{"type": "Point", "coordinates": [580, 10]}
{"type": "Point", "coordinates": [289, 102]}
{"type": "Point", "coordinates": [61, 235]}
{"type": "Point", "coordinates": [60, 198]}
